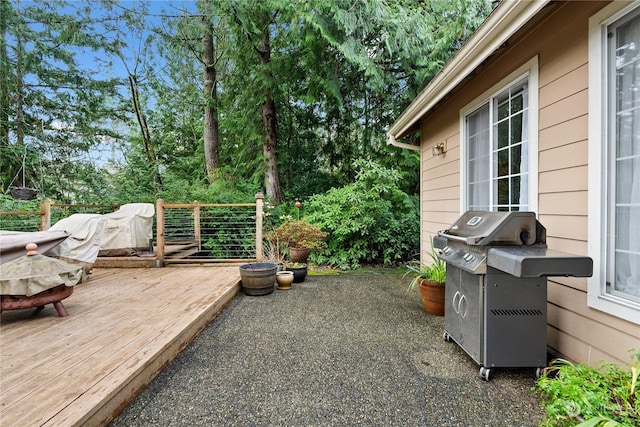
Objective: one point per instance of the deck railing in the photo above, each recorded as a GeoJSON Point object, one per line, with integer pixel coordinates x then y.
{"type": "Point", "coordinates": [184, 232]}
{"type": "Point", "coordinates": [208, 232]}
{"type": "Point", "coordinates": [48, 213]}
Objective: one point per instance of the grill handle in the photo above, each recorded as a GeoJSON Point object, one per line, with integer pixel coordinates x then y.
{"type": "Point", "coordinates": [467, 240]}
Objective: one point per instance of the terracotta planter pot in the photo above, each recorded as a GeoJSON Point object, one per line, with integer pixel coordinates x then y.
{"type": "Point", "coordinates": [432, 297]}
{"type": "Point", "coordinates": [299, 254]}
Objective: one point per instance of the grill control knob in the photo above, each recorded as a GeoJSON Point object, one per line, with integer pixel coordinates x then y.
{"type": "Point", "coordinates": [468, 257]}
{"type": "Point", "coordinates": [446, 250]}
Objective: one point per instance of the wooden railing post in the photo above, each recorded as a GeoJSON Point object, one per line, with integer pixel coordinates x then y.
{"type": "Point", "coordinates": [159, 233]}
{"type": "Point", "coordinates": [45, 215]}
{"type": "Point", "coordinates": [196, 224]}
{"type": "Point", "coordinates": [259, 214]}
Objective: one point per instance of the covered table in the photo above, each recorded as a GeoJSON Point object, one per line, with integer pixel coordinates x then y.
{"type": "Point", "coordinates": [35, 280]}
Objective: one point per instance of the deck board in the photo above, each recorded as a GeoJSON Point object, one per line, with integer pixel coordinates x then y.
{"type": "Point", "coordinates": [124, 326]}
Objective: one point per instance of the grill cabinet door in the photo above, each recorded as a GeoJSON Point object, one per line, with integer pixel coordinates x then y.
{"type": "Point", "coordinates": [516, 320]}
{"type": "Point", "coordinates": [463, 310]}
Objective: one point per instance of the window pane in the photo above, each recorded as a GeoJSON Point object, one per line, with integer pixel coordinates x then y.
{"type": "Point", "coordinates": [479, 149]}
{"type": "Point", "coordinates": [624, 210]}
{"type": "Point", "coordinates": [625, 178]}
{"type": "Point", "coordinates": [516, 104]}
{"type": "Point", "coordinates": [626, 282]}
{"type": "Point", "coordinates": [503, 191]}
{"type": "Point", "coordinates": [524, 193]}
{"type": "Point", "coordinates": [479, 196]}
{"type": "Point", "coordinates": [627, 127]}
{"type": "Point", "coordinates": [503, 108]}
{"type": "Point", "coordinates": [516, 159]}
{"type": "Point", "coordinates": [516, 128]}
{"type": "Point", "coordinates": [502, 134]}
{"type": "Point", "coordinates": [503, 162]}
{"type": "Point", "coordinates": [623, 215]}
{"type": "Point", "coordinates": [515, 190]}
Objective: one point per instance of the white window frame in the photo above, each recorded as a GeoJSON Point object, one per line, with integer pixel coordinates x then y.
{"type": "Point", "coordinates": [530, 71]}
{"type": "Point", "coordinates": [597, 297]}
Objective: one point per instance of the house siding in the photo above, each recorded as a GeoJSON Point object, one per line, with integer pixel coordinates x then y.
{"type": "Point", "coordinates": [559, 37]}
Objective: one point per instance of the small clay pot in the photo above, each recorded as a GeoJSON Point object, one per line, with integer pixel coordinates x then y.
{"type": "Point", "coordinates": [284, 279]}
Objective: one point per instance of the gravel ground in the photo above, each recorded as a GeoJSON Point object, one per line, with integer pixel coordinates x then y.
{"type": "Point", "coordinates": [348, 349]}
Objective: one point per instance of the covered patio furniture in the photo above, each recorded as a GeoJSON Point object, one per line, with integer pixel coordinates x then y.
{"type": "Point", "coordinates": [34, 280]}
{"type": "Point", "coordinates": [128, 230]}
{"type": "Point", "coordinates": [83, 244]}
{"type": "Point", "coordinates": [12, 243]}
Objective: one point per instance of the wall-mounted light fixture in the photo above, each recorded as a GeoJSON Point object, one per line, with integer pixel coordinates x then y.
{"type": "Point", "coordinates": [439, 149]}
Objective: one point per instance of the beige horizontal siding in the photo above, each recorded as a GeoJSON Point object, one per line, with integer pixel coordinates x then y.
{"type": "Point", "coordinates": [565, 156]}
{"type": "Point", "coordinates": [568, 313]}
{"type": "Point", "coordinates": [565, 226]}
{"type": "Point", "coordinates": [564, 180]}
{"type": "Point", "coordinates": [578, 247]}
{"type": "Point", "coordinates": [571, 82]}
{"type": "Point", "coordinates": [569, 204]}
{"type": "Point", "coordinates": [567, 132]}
{"type": "Point", "coordinates": [568, 108]}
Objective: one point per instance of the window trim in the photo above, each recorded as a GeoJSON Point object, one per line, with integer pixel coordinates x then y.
{"type": "Point", "coordinates": [530, 71]}
{"type": "Point", "coordinates": [597, 297]}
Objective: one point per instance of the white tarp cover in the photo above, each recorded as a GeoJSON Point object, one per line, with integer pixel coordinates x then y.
{"type": "Point", "coordinates": [83, 244]}
{"type": "Point", "coordinates": [129, 227]}
{"type": "Point", "coordinates": [30, 275]}
{"type": "Point", "coordinates": [12, 243]}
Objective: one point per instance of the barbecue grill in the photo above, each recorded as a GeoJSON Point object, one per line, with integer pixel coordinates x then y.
{"type": "Point", "coordinates": [496, 287]}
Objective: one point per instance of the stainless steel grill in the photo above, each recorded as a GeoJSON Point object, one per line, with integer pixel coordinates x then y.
{"type": "Point", "coordinates": [496, 293]}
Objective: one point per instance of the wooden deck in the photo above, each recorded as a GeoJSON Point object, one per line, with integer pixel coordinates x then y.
{"type": "Point", "coordinates": [124, 326]}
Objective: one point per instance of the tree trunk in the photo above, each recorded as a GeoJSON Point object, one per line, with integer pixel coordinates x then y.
{"type": "Point", "coordinates": [269, 120]}
{"type": "Point", "coordinates": [210, 132]}
{"type": "Point", "coordinates": [144, 129]}
{"type": "Point", "coordinates": [4, 74]}
{"type": "Point", "coordinates": [19, 91]}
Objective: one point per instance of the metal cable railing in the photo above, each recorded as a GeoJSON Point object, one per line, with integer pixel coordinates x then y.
{"type": "Point", "coordinates": [201, 232]}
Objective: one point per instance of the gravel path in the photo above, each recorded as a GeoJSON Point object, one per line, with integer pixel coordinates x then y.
{"type": "Point", "coordinates": [348, 349]}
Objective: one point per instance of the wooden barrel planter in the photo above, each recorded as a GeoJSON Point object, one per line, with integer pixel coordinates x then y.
{"type": "Point", "coordinates": [258, 278]}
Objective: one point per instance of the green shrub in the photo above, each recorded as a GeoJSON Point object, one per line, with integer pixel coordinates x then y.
{"type": "Point", "coordinates": [575, 394]}
{"type": "Point", "coordinates": [370, 221]}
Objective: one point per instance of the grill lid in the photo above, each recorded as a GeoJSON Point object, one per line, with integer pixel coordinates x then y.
{"type": "Point", "coordinates": [496, 228]}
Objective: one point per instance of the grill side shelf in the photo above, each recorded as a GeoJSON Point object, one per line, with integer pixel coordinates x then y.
{"type": "Point", "coordinates": [539, 261]}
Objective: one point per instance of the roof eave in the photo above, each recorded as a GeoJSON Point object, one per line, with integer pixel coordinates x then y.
{"type": "Point", "coordinates": [507, 18]}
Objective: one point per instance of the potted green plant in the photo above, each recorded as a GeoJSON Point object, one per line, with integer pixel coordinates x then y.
{"type": "Point", "coordinates": [301, 237]}
{"type": "Point", "coordinates": [430, 278]}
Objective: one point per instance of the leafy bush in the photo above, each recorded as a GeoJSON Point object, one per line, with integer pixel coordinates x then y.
{"type": "Point", "coordinates": [300, 234]}
{"type": "Point", "coordinates": [579, 395]}
{"type": "Point", "coordinates": [369, 221]}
